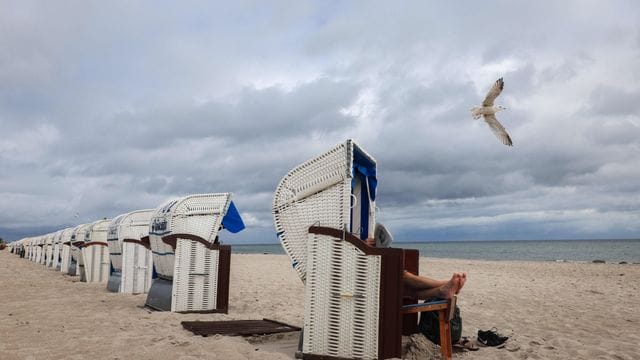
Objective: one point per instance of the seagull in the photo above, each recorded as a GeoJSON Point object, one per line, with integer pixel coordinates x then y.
{"type": "Point", "coordinates": [488, 111]}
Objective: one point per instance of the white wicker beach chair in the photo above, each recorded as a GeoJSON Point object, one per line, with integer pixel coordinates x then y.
{"type": "Point", "coordinates": [63, 235]}
{"type": "Point", "coordinates": [47, 249]}
{"type": "Point", "coordinates": [39, 244]}
{"type": "Point", "coordinates": [95, 252]}
{"type": "Point", "coordinates": [131, 258]}
{"type": "Point", "coordinates": [323, 209]}
{"type": "Point", "coordinates": [27, 248]}
{"type": "Point", "coordinates": [76, 267]}
{"type": "Point", "coordinates": [65, 250]}
{"type": "Point", "coordinates": [55, 250]}
{"type": "Point", "coordinates": [192, 267]}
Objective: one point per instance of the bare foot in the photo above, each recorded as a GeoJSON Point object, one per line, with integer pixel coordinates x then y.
{"type": "Point", "coordinates": [462, 278]}
{"type": "Point", "coordinates": [452, 287]}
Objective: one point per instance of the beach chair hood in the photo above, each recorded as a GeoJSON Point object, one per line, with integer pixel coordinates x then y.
{"type": "Point", "coordinates": [336, 189]}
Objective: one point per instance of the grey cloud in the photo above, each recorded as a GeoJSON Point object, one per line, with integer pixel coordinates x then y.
{"type": "Point", "coordinates": [612, 100]}
{"type": "Point", "coordinates": [105, 109]}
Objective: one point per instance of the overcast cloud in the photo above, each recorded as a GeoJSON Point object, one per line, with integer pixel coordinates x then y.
{"type": "Point", "coordinates": [109, 107]}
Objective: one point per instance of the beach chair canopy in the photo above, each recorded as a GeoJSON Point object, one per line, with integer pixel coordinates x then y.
{"type": "Point", "coordinates": [336, 189]}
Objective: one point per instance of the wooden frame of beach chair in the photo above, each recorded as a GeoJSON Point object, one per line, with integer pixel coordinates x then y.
{"type": "Point", "coordinates": [192, 269]}
{"type": "Point", "coordinates": [336, 190]}
{"type": "Point", "coordinates": [131, 259]}
{"type": "Point", "coordinates": [95, 252]}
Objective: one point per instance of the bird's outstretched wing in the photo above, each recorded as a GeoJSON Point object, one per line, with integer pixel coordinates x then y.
{"type": "Point", "coordinates": [496, 89]}
{"type": "Point", "coordinates": [498, 129]}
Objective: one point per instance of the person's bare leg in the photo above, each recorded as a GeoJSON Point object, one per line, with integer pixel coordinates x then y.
{"type": "Point", "coordinates": [417, 282]}
{"type": "Point", "coordinates": [446, 291]}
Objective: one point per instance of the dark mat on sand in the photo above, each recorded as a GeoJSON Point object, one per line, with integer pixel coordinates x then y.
{"type": "Point", "coordinates": [238, 327]}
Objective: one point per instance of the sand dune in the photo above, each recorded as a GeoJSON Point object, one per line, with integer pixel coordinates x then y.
{"type": "Point", "coordinates": [550, 310]}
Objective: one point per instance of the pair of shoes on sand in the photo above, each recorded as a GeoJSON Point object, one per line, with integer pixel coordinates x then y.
{"type": "Point", "coordinates": [491, 337]}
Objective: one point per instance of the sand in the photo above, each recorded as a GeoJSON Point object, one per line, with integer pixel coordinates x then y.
{"type": "Point", "coordinates": [550, 310]}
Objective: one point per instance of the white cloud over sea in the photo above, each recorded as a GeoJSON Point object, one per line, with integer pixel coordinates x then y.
{"type": "Point", "coordinates": [108, 107]}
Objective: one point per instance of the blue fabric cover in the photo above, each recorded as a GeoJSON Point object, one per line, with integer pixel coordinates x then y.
{"type": "Point", "coordinates": [365, 167]}
{"type": "Point", "coordinates": [232, 220]}
{"type": "Point", "coordinates": [365, 170]}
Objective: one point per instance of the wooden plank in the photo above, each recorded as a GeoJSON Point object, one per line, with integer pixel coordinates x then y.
{"type": "Point", "coordinates": [416, 308]}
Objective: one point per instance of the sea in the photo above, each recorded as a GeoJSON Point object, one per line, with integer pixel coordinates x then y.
{"type": "Point", "coordinates": [610, 251]}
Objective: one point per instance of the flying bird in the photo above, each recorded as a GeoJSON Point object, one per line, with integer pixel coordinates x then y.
{"type": "Point", "coordinates": [488, 111]}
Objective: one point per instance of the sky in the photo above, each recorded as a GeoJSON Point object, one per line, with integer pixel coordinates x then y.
{"type": "Point", "coordinates": [110, 107]}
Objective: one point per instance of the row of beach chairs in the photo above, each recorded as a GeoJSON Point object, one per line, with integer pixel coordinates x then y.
{"type": "Point", "coordinates": [323, 209]}
{"type": "Point", "coordinates": [171, 252]}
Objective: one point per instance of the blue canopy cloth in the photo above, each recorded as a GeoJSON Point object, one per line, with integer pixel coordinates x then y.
{"type": "Point", "coordinates": [232, 220]}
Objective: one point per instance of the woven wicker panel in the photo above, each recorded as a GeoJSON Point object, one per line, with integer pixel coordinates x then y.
{"type": "Point", "coordinates": [316, 192]}
{"type": "Point", "coordinates": [96, 263]}
{"type": "Point", "coordinates": [98, 231]}
{"type": "Point", "coordinates": [196, 277]}
{"type": "Point", "coordinates": [136, 224]}
{"type": "Point", "coordinates": [137, 269]}
{"type": "Point", "coordinates": [341, 300]}
{"type": "Point", "coordinates": [200, 215]}
{"type": "Point", "coordinates": [327, 208]}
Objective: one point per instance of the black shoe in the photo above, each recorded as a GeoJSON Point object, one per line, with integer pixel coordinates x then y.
{"type": "Point", "coordinates": [491, 337]}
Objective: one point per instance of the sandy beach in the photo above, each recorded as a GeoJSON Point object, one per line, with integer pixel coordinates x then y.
{"type": "Point", "coordinates": [550, 310]}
